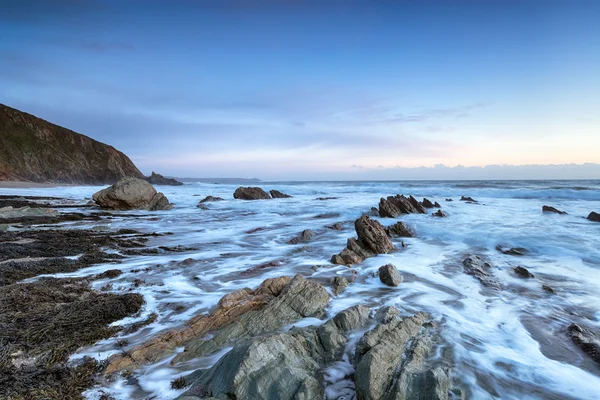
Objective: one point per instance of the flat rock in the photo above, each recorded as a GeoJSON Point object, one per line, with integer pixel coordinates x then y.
{"type": "Point", "coordinates": [276, 194]}
{"type": "Point", "coordinates": [131, 194]}
{"type": "Point", "coordinates": [22, 212]}
{"type": "Point", "coordinates": [389, 275]}
{"type": "Point", "coordinates": [250, 193]}
{"type": "Point", "coordinates": [549, 209]}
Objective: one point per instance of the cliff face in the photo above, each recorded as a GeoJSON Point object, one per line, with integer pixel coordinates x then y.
{"type": "Point", "coordinates": [35, 150]}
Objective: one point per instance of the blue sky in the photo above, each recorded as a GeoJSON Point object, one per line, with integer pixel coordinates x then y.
{"type": "Point", "coordinates": [312, 89]}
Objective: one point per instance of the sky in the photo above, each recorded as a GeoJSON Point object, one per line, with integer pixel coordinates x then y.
{"type": "Point", "coordinates": [304, 90]}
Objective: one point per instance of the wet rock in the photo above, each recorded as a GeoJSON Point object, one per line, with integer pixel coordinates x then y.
{"type": "Point", "coordinates": [399, 229]}
{"type": "Point", "coordinates": [427, 203]}
{"type": "Point", "coordinates": [281, 366]}
{"type": "Point", "coordinates": [26, 212]}
{"type": "Point", "coordinates": [512, 251]}
{"type": "Point", "coordinates": [437, 205]}
{"type": "Point", "coordinates": [202, 206]}
{"type": "Point", "coordinates": [375, 212]}
{"type": "Point", "coordinates": [394, 206]}
{"type": "Point", "coordinates": [158, 179]}
{"type": "Point", "coordinates": [339, 284]}
{"type": "Point", "coordinates": [549, 209]}
{"type": "Point", "coordinates": [523, 272]}
{"type": "Point", "coordinates": [587, 340]}
{"type": "Point", "coordinates": [468, 199]}
{"type": "Point", "coordinates": [326, 198]}
{"type": "Point", "coordinates": [276, 194]}
{"type": "Point", "coordinates": [389, 275]}
{"type": "Point", "coordinates": [449, 200]}
{"type": "Point", "coordinates": [479, 268]}
{"type": "Point", "coordinates": [211, 198]}
{"type": "Point", "coordinates": [305, 236]}
{"type": "Point", "coordinates": [338, 226]}
{"type": "Point", "coordinates": [327, 215]}
{"type": "Point", "coordinates": [250, 193]}
{"type": "Point", "coordinates": [548, 289]}
{"type": "Point", "coordinates": [131, 194]}
{"type": "Point", "coordinates": [110, 274]}
{"type": "Point", "coordinates": [439, 213]}
{"type": "Point", "coordinates": [386, 314]}
{"type": "Point", "coordinates": [372, 240]}
{"type": "Point", "coordinates": [355, 252]}
{"type": "Point", "coordinates": [594, 216]}
{"type": "Point", "coordinates": [299, 299]}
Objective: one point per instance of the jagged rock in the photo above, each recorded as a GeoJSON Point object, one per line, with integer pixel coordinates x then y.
{"type": "Point", "coordinates": [276, 194]}
{"type": "Point", "coordinates": [372, 240]}
{"type": "Point", "coordinates": [250, 193]}
{"type": "Point", "coordinates": [594, 216]}
{"type": "Point", "coordinates": [131, 194]}
{"type": "Point", "coordinates": [229, 308]}
{"type": "Point", "coordinates": [512, 251]}
{"type": "Point", "coordinates": [158, 179]}
{"type": "Point", "coordinates": [437, 205]}
{"type": "Point", "coordinates": [394, 206]}
{"type": "Point", "coordinates": [22, 212]}
{"type": "Point", "coordinates": [375, 212]}
{"type": "Point", "coordinates": [587, 340]}
{"type": "Point", "coordinates": [427, 203]}
{"type": "Point", "coordinates": [339, 284]}
{"type": "Point", "coordinates": [299, 299]}
{"type": "Point", "coordinates": [439, 213]}
{"type": "Point", "coordinates": [386, 314]}
{"type": "Point", "coordinates": [523, 272]}
{"type": "Point", "coordinates": [210, 198]}
{"type": "Point", "coordinates": [476, 266]}
{"type": "Point", "coordinates": [549, 209]}
{"type": "Point", "coordinates": [305, 236]}
{"type": "Point", "coordinates": [399, 229]}
{"type": "Point", "coordinates": [468, 199]}
{"type": "Point", "coordinates": [354, 253]}
{"type": "Point", "coordinates": [389, 275]}
{"type": "Point", "coordinates": [282, 366]}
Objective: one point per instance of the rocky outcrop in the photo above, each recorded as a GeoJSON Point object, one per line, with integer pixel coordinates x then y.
{"type": "Point", "coordinates": [439, 213]}
{"type": "Point", "coordinates": [158, 179]}
{"type": "Point", "coordinates": [394, 206]}
{"type": "Point", "coordinates": [131, 194]}
{"type": "Point", "coordinates": [276, 194]}
{"type": "Point", "coordinates": [250, 193]}
{"type": "Point", "coordinates": [372, 240]}
{"type": "Point", "coordinates": [281, 366]}
{"type": "Point", "coordinates": [210, 198]}
{"type": "Point", "coordinates": [523, 272]}
{"type": "Point", "coordinates": [339, 284]}
{"type": "Point", "coordinates": [35, 150]}
{"type": "Point", "coordinates": [305, 236]}
{"type": "Point", "coordinates": [549, 209]}
{"type": "Point", "coordinates": [594, 216]}
{"type": "Point", "coordinates": [587, 340]}
{"type": "Point", "coordinates": [427, 203]}
{"type": "Point", "coordinates": [512, 251]}
{"type": "Point", "coordinates": [389, 275]}
{"type": "Point", "coordinates": [299, 299]}
{"type": "Point", "coordinates": [399, 229]}
{"type": "Point", "coordinates": [480, 269]}
{"type": "Point", "coordinates": [468, 199]}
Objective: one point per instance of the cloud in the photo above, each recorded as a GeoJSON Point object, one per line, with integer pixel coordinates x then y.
{"type": "Point", "coordinates": [428, 114]}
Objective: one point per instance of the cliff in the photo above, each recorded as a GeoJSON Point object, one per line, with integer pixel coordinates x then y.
{"type": "Point", "coordinates": [35, 150]}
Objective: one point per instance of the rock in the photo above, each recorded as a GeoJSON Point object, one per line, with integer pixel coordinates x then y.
{"type": "Point", "coordinates": [594, 216]}
{"type": "Point", "coordinates": [202, 206]}
{"type": "Point", "coordinates": [479, 268]}
{"type": "Point", "coordinates": [326, 198]}
{"type": "Point", "coordinates": [305, 236]}
{"type": "Point", "coordinates": [299, 299]}
{"type": "Point", "coordinates": [512, 251]}
{"type": "Point", "coordinates": [468, 199]}
{"type": "Point", "coordinates": [427, 203]}
{"type": "Point", "coordinates": [437, 205]}
{"type": "Point", "coordinates": [399, 229]}
{"type": "Point", "coordinates": [354, 253]}
{"type": "Point", "coordinates": [548, 289]}
{"type": "Point", "coordinates": [27, 212]}
{"type": "Point", "coordinates": [282, 366]}
{"type": "Point", "coordinates": [250, 193]}
{"type": "Point", "coordinates": [523, 272]}
{"type": "Point", "coordinates": [587, 340]}
{"type": "Point", "coordinates": [338, 226]}
{"type": "Point", "coordinates": [394, 206]}
{"type": "Point", "coordinates": [339, 284]}
{"type": "Point", "coordinates": [34, 150]}
{"type": "Point", "coordinates": [276, 194]}
{"type": "Point", "coordinates": [375, 212]}
{"type": "Point", "coordinates": [449, 200]}
{"type": "Point", "coordinates": [158, 179]}
{"type": "Point", "coordinates": [327, 215]}
{"type": "Point", "coordinates": [372, 240]}
{"type": "Point", "coordinates": [389, 275]}
{"type": "Point", "coordinates": [386, 314]}
{"type": "Point", "coordinates": [210, 198]}
{"type": "Point", "coordinates": [131, 194]}
{"type": "Point", "coordinates": [439, 213]}
{"type": "Point", "coordinates": [549, 209]}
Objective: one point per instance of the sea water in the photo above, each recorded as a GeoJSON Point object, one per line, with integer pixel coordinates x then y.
{"type": "Point", "coordinates": [506, 344]}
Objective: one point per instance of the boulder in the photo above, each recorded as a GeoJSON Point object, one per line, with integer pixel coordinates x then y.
{"type": "Point", "coordinates": [158, 179]}
{"type": "Point", "coordinates": [523, 272]}
{"type": "Point", "coordinates": [393, 206]}
{"type": "Point", "coordinates": [594, 216]}
{"type": "Point", "coordinates": [389, 275]}
{"type": "Point", "coordinates": [479, 268]}
{"type": "Point", "coordinates": [372, 240]}
{"type": "Point", "coordinates": [399, 229]}
{"type": "Point", "coordinates": [210, 198]}
{"type": "Point", "coordinates": [276, 194]}
{"type": "Point", "coordinates": [439, 213]}
{"type": "Point", "coordinates": [131, 194]}
{"type": "Point", "coordinates": [305, 236]}
{"type": "Point", "coordinates": [468, 199]}
{"type": "Point", "coordinates": [548, 289]}
{"type": "Point", "coordinates": [437, 205]}
{"type": "Point", "coordinates": [427, 203]}
{"type": "Point", "coordinates": [587, 340]}
{"type": "Point", "coordinates": [549, 209]}
{"type": "Point", "coordinates": [339, 284]}
{"type": "Point", "coordinates": [250, 193]}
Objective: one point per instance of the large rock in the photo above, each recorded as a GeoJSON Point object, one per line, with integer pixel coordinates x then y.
{"type": "Point", "coordinates": [587, 340]}
{"type": "Point", "coordinates": [399, 229]}
{"type": "Point", "coordinates": [427, 203]}
{"type": "Point", "coordinates": [594, 216]}
{"type": "Point", "coordinates": [210, 198]}
{"type": "Point", "coordinates": [394, 206]}
{"type": "Point", "coordinates": [372, 240]}
{"type": "Point", "coordinates": [158, 179]}
{"type": "Point", "coordinates": [276, 194]}
{"type": "Point", "coordinates": [479, 268]}
{"type": "Point", "coordinates": [250, 193]}
{"type": "Point", "coordinates": [299, 299]}
{"type": "Point", "coordinates": [305, 236]}
{"type": "Point", "coordinates": [550, 209]}
{"type": "Point", "coordinates": [131, 194]}
{"type": "Point", "coordinates": [389, 275]}
{"type": "Point", "coordinates": [280, 366]}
